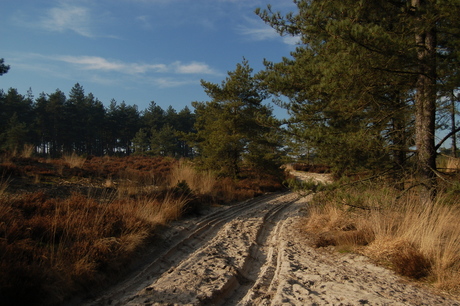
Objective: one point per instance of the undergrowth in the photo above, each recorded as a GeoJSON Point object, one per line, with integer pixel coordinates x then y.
{"type": "Point", "coordinates": [71, 225]}
{"type": "Point", "coordinates": [393, 228]}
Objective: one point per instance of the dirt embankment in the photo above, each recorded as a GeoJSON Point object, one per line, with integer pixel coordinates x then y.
{"type": "Point", "coordinates": [254, 254]}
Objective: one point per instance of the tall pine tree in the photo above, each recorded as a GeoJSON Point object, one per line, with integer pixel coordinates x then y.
{"type": "Point", "coordinates": [363, 72]}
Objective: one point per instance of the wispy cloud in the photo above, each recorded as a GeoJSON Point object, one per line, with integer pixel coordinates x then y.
{"type": "Point", "coordinates": [113, 72]}
{"type": "Point", "coordinates": [102, 64]}
{"type": "Point", "coordinates": [67, 17]}
{"type": "Point", "coordinates": [150, 1]}
{"type": "Point", "coordinates": [258, 31]}
{"type": "Point", "coordinates": [99, 63]}
{"type": "Point", "coordinates": [173, 82]}
{"type": "Point", "coordinates": [193, 68]}
{"type": "Point", "coordinates": [145, 22]}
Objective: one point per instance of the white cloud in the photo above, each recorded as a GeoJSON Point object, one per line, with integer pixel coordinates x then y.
{"type": "Point", "coordinates": [193, 68]}
{"type": "Point", "coordinates": [111, 72]}
{"type": "Point", "coordinates": [291, 40]}
{"type": "Point", "coordinates": [92, 62]}
{"type": "Point", "coordinates": [68, 17]}
{"type": "Point", "coordinates": [102, 64]}
{"type": "Point", "coordinates": [259, 33]}
{"type": "Point", "coordinates": [99, 63]}
{"type": "Point", "coordinates": [171, 82]}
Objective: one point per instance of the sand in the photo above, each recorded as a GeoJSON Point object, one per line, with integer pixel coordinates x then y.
{"type": "Point", "coordinates": [254, 253]}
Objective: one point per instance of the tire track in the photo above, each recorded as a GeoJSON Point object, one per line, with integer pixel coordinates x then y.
{"type": "Point", "coordinates": [221, 266]}
{"type": "Point", "coordinates": [266, 262]}
{"type": "Point", "coordinates": [179, 246]}
{"type": "Point", "coordinates": [249, 274]}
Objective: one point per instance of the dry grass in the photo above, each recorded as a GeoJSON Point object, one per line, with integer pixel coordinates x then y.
{"type": "Point", "coordinates": [4, 182]}
{"type": "Point", "coordinates": [306, 167]}
{"type": "Point", "coordinates": [27, 151]}
{"type": "Point", "coordinates": [415, 240]}
{"type": "Point", "coordinates": [72, 242]}
{"type": "Point", "coordinates": [201, 182]}
{"type": "Point", "coordinates": [170, 208]}
{"type": "Point", "coordinates": [448, 164]}
{"type": "Point", "coordinates": [81, 225]}
{"type": "Point", "coordinates": [74, 161]}
{"type": "Point", "coordinates": [133, 182]}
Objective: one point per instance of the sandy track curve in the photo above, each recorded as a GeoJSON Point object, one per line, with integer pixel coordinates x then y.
{"type": "Point", "coordinates": [224, 240]}
{"type": "Point", "coordinates": [253, 254]}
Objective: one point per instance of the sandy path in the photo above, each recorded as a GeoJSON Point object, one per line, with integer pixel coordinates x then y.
{"type": "Point", "coordinates": [253, 254]}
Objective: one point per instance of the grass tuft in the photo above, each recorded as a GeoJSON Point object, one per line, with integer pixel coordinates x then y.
{"type": "Point", "coordinates": [202, 182]}
{"type": "Point", "coordinates": [394, 229]}
{"type": "Point", "coordinates": [74, 161]}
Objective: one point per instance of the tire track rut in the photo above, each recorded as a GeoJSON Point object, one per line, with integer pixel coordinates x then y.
{"type": "Point", "coordinates": [217, 257]}
{"type": "Point", "coordinates": [261, 265]}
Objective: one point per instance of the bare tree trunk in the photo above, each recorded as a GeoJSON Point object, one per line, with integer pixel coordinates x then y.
{"type": "Point", "coordinates": [425, 104]}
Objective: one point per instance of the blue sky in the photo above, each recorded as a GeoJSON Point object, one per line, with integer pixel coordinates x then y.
{"type": "Point", "coordinates": [135, 51]}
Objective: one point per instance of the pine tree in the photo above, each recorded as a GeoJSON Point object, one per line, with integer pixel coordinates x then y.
{"type": "Point", "coordinates": [164, 142]}
{"type": "Point", "coordinates": [15, 135]}
{"type": "Point", "coordinates": [55, 122]}
{"type": "Point", "coordinates": [3, 67]}
{"type": "Point", "coordinates": [364, 70]}
{"type": "Point", "coordinates": [185, 125]}
{"type": "Point", "coordinates": [42, 123]}
{"type": "Point", "coordinates": [153, 117]}
{"type": "Point", "coordinates": [76, 115]}
{"type": "Point", "coordinates": [141, 142]}
{"type": "Point", "coordinates": [228, 130]}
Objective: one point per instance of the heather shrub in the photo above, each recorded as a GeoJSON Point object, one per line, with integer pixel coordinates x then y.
{"type": "Point", "coordinates": [73, 224]}
{"type": "Point", "coordinates": [73, 242]}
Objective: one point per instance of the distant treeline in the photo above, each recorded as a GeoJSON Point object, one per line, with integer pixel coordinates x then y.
{"type": "Point", "coordinates": [55, 124]}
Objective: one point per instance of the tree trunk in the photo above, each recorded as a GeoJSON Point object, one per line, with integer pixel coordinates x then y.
{"type": "Point", "coordinates": [453, 126]}
{"type": "Point", "coordinates": [425, 104]}
{"type": "Point", "coordinates": [399, 141]}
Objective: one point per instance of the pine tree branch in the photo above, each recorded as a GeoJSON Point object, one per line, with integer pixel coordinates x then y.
{"type": "Point", "coordinates": [447, 137]}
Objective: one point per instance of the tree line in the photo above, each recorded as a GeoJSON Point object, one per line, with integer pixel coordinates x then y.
{"type": "Point", "coordinates": [56, 124]}
{"type": "Point", "coordinates": [233, 130]}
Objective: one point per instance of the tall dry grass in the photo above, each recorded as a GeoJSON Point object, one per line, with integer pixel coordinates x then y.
{"type": "Point", "coordinates": [4, 182]}
{"type": "Point", "coordinates": [200, 182]}
{"type": "Point", "coordinates": [448, 163]}
{"type": "Point", "coordinates": [161, 212]}
{"type": "Point", "coordinates": [53, 247]}
{"type": "Point", "coordinates": [133, 182]}
{"type": "Point", "coordinates": [73, 160]}
{"type": "Point", "coordinates": [418, 241]}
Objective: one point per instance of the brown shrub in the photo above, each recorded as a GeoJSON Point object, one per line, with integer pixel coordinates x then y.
{"type": "Point", "coordinates": [324, 239]}
{"type": "Point", "coordinates": [70, 237]}
{"type": "Point", "coordinates": [78, 237]}
{"type": "Point", "coordinates": [9, 170]}
{"type": "Point", "coordinates": [73, 160]}
{"type": "Point", "coordinates": [410, 262]}
{"type": "Point", "coordinates": [402, 255]}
